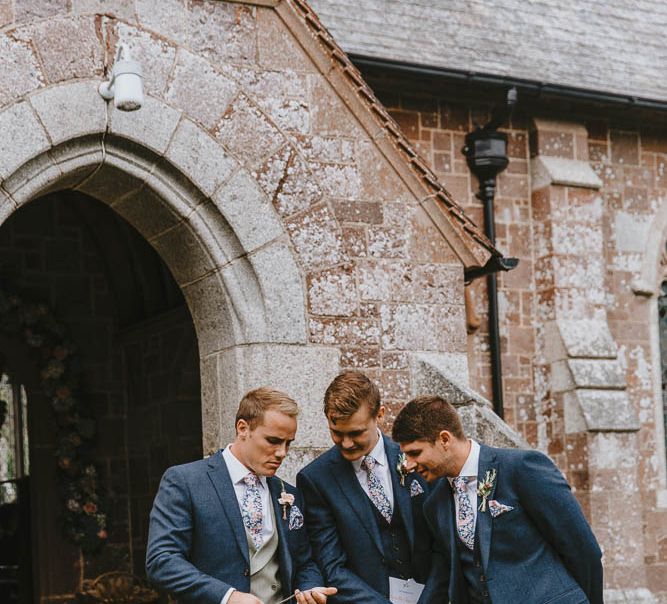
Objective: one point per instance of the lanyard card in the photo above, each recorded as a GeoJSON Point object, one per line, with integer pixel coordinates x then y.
{"type": "Point", "coordinates": [404, 592]}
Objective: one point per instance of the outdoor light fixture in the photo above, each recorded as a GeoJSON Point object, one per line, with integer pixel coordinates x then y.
{"type": "Point", "coordinates": [125, 86]}
{"type": "Point", "coordinates": [486, 153]}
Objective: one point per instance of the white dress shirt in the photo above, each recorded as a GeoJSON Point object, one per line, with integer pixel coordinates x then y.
{"type": "Point", "coordinates": [470, 468]}
{"type": "Point", "coordinates": [237, 472]}
{"type": "Point", "coordinates": [381, 469]}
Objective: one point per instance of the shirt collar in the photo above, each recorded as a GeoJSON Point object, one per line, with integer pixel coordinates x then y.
{"type": "Point", "coordinates": [237, 471]}
{"type": "Point", "coordinates": [471, 465]}
{"type": "Point", "coordinates": [378, 453]}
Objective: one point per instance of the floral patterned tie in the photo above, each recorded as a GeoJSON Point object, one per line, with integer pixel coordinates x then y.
{"type": "Point", "coordinates": [465, 520]}
{"type": "Point", "coordinates": [251, 509]}
{"type": "Point", "coordinates": [375, 489]}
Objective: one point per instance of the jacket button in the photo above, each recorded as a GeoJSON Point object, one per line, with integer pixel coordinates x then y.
{"type": "Point", "coordinates": [274, 587]}
{"type": "Point", "coordinates": [482, 578]}
{"type": "Point", "coordinates": [246, 572]}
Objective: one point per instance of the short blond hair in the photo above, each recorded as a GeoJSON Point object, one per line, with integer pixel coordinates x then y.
{"type": "Point", "coordinates": [257, 402]}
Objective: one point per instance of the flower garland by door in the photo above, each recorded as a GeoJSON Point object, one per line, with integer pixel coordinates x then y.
{"type": "Point", "coordinates": [83, 515]}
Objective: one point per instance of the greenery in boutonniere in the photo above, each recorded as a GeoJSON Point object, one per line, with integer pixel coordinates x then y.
{"type": "Point", "coordinates": [83, 514]}
{"type": "Point", "coordinates": [402, 468]}
{"type": "Point", "coordinates": [484, 488]}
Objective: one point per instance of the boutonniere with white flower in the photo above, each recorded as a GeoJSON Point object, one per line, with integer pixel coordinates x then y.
{"type": "Point", "coordinates": [286, 499]}
{"type": "Point", "coordinates": [402, 468]}
{"type": "Point", "coordinates": [484, 488]}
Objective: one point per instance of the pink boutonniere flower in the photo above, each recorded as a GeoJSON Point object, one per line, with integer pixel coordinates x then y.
{"type": "Point", "coordinates": [286, 499]}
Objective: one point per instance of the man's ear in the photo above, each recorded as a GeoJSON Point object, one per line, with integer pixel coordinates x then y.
{"type": "Point", "coordinates": [445, 439]}
{"type": "Point", "coordinates": [242, 428]}
{"type": "Point", "coordinates": [381, 411]}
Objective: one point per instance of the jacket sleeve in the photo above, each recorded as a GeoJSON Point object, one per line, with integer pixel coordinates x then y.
{"type": "Point", "coordinates": [307, 573]}
{"type": "Point", "coordinates": [548, 500]}
{"type": "Point", "coordinates": [170, 536]}
{"type": "Point", "coordinates": [329, 552]}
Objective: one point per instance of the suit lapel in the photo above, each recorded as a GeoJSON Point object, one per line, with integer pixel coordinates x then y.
{"type": "Point", "coordinates": [487, 463]}
{"type": "Point", "coordinates": [222, 483]}
{"type": "Point", "coordinates": [357, 498]}
{"type": "Point", "coordinates": [402, 499]}
{"type": "Point", "coordinates": [447, 517]}
{"type": "Point", "coordinates": [286, 562]}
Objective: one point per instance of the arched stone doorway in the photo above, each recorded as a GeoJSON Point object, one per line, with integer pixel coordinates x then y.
{"type": "Point", "coordinates": [139, 363]}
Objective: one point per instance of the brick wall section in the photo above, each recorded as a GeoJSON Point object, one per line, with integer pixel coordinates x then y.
{"type": "Point", "coordinates": [437, 130]}
{"type": "Point", "coordinates": [632, 165]}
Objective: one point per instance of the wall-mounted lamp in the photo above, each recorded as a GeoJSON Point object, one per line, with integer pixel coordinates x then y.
{"type": "Point", "coordinates": [125, 86]}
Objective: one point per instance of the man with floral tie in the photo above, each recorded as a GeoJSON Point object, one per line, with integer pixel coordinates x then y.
{"type": "Point", "coordinates": [363, 511]}
{"type": "Point", "coordinates": [506, 526]}
{"type": "Point", "coordinates": [226, 530]}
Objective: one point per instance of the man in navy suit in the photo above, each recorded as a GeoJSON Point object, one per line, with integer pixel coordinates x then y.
{"type": "Point", "coordinates": [364, 516]}
{"type": "Point", "coordinates": [226, 530]}
{"type": "Point", "coordinates": [507, 528]}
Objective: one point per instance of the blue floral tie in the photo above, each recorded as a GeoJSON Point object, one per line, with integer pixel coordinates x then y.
{"type": "Point", "coordinates": [251, 509]}
{"type": "Point", "coordinates": [375, 489]}
{"type": "Point", "coordinates": [465, 520]}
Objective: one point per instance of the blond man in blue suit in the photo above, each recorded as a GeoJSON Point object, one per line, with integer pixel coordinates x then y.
{"type": "Point", "coordinates": [226, 530]}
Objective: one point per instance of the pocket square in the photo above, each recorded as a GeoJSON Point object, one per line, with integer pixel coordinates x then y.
{"type": "Point", "coordinates": [496, 508]}
{"type": "Point", "coordinates": [295, 518]}
{"type": "Point", "coordinates": [415, 488]}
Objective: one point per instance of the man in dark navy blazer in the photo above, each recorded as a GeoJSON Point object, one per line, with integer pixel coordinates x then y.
{"type": "Point", "coordinates": [226, 530]}
{"type": "Point", "coordinates": [507, 528]}
{"type": "Point", "coordinates": [364, 516]}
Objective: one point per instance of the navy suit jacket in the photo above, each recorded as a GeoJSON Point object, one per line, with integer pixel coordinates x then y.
{"type": "Point", "coordinates": [541, 551]}
{"type": "Point", "coordinates": [343, 529]}
{"type": "Point", "coordinates": [197, 546]}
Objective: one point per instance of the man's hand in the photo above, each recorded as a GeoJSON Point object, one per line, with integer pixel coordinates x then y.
{"type": "Point", "coordinates": [316, 595]}
{"type": "Point", "coordinates": [240, 597]}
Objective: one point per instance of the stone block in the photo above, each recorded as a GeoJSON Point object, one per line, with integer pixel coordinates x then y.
{"type": "Point", "coordinates": [210, 309]}
{"type": "Point", "coordinates": [7, 207]}
{"type": "Point", "coordinates": [329, 114]}
{"type": "Point", "coordinates": [121, 9]}
{"type": "Point", "coordinates": [171, 18]}
{"type": "Point", "coordinates": [388, 242]}
{"type": "Point", "coordinates": [423, 327]}
{"type": "Point", "coordinates": [199, 156]}
{"type": "Point", "coordinates": [276, 46]}
{"type": "Point", "coordinates": [20, 72]}
{"type": "Point", "coordinates": [248, 133]}
{"type": "Point", "coordinates": [145, 211]}
{"type": "Point", "coordinates": [184, 253]}
{"type": "Point", "coordinates": [444, 374]}
{"type": "Point", "coordinates": [302, 372]}
{"type": "Point", "coordinates": [298, 458]}
{"type": "Point", "coordinates": [34, 178]}
{"type": "Point", "coordinates": [346, 331]}
{"type": "Point", "coordinates": [587, 338]}
{"type": "Point", "coordinates": [155, 54]}
{"type": "Point", "coordinates": [210, 404]}
{"type": "Point", "coordinates": [288, 182]}
{"type": "Point", "coordinates": [69, 48]}
{"type": "Point", "coordinates": [548, 171]}
{"type": "Point", "coordinates": [340, 181]}
{"type": "Point", "coordinates": [378, 178]}
{"type": "Point", "coordinates": [631, 231]}
{"type": "Point", "coordinates": [199, 90]}
{"type": "Point", "coordinates": [248, 211]}
{"type": "Point", "coordinates": [575, 238]}
{"type": "Point", "coordinates": [597, 373]}
{"type": "Point", "coordinates": [282, 292]}
{"type": "Point", "coordinates": [316, 238]}
{"type": "Point", "coordinates": [6, 12]}
{"type": "Point", "coordinates": [29, 10]}
{"type": "Point", "coordinates": [152, 126]}
{"type": "Point", "coordinates": [609, 451]}
{"type": "Point", "coordinates": [607, 411]}
{"type": "Point", "coordinates": [71, 110]}
{"type": "Point", "coordinates": [22, 137]}
{"type": "Point", "coordinates": [223, 32]}
{"type": "Point", "coordinates": [332, 292]}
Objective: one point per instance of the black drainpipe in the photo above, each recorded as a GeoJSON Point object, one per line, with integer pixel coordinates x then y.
{"type": "Point", "coordinates": [486, 153]}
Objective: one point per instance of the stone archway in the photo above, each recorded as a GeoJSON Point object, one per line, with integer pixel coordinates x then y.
{"type": "Point", "coordinates": [196, 205]}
